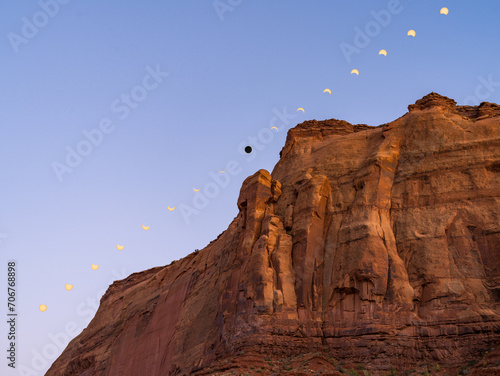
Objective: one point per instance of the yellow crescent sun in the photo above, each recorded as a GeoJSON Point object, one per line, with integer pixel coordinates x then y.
{"type": "Point", "coordinates": [196, 190]}
{"type": "Point", "coordinates": [275, 128]}
{"type": "Point", "coordinates": [300, 109]}
{"type": "Point", "coordinates": [382, 52]}
{"type": "Point", "coordinates": [444, 11]}
{"type": "Point", "coordinates": [145, 227]}
{"type": "Point", "coordinates": [94, 267]}
{"type": "Point", "coordinates": [120, 247]}
{"type": "Point", "coordinates": [327, 91]}
{"type": "Point", "coordinates": [355, 71]}
{"type": "Point", "coordinates": [221, 171]}
{"type": "Point", "coordinates": [68, 287]}
{"type": "Point", "coordinates": [171, 209]}
{"type": "Point", "coordinates": [411, 33]}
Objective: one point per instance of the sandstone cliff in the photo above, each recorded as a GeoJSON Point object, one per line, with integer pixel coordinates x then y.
{"type": "Point", "coordinates": [374, 245]}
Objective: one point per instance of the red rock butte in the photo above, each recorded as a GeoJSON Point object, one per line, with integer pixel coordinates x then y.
{"type": "Point", "coordinates": [374, 245]}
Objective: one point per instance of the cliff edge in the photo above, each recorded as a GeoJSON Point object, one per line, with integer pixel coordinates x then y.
{"type": "Point", "coordinates": [374, 245]}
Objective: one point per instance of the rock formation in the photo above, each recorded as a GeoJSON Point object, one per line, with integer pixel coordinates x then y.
{"type": "Point", "coordinates": [374, 245]}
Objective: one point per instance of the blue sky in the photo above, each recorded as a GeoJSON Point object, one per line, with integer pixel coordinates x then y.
{"type": "Point", "coordinates": [170, 92]}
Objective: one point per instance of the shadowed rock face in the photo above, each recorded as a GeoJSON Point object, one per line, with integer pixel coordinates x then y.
{"type": "Point", "coordinates": [374, 243]}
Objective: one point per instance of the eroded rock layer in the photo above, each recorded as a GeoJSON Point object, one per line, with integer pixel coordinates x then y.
{"type": "Point", "coordinates": [379, 244]}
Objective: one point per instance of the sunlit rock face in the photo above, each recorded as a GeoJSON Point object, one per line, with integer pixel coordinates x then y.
{"type": "Point", "coordinates": [379, 244]}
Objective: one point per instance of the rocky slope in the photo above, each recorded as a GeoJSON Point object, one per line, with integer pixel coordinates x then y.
{"type": "Point", "coordinates": [374, 245]}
